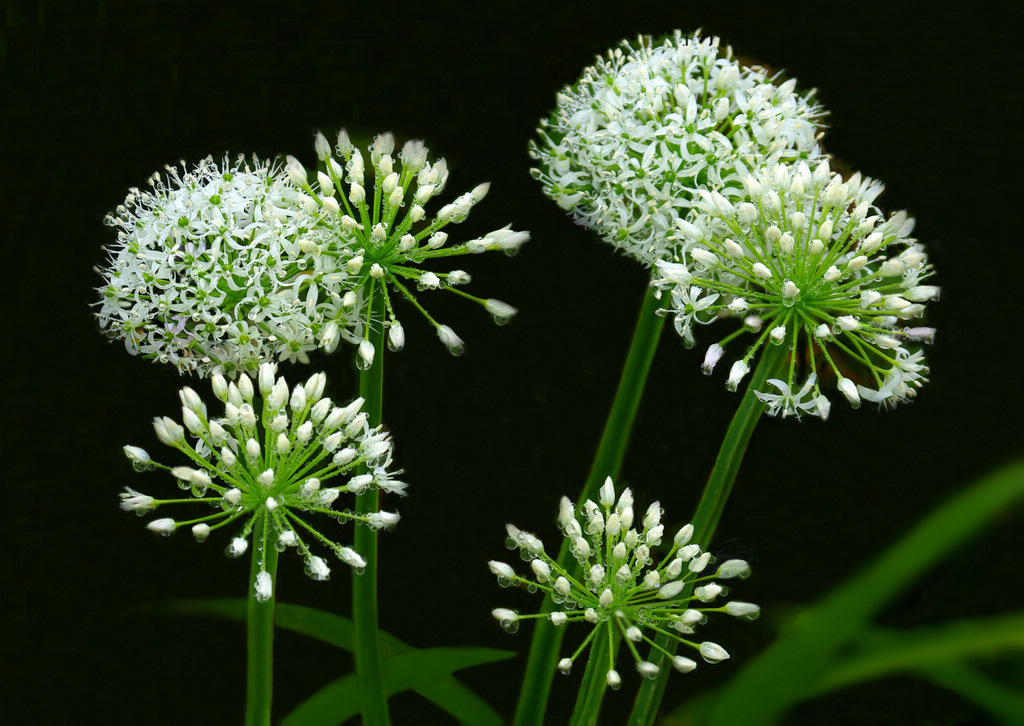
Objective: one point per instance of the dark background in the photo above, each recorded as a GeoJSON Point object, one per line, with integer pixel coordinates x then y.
{"type": "Point", "coordinates": [96, 96]}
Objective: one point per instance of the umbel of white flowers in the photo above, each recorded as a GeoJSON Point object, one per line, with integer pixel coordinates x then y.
{"type": "Point", "coordinates": [228, 265]}
{"type": "Point", "coordinates": [807, 261]}
{"type": "Point", "coordinates": [208, 273]}
{"type": "Point", "coordinates": [623, 589]}
{"type": "Point", "coordinates": [380, 228]}
{"type": "Point", "coordinates": [631, 144]}
{"type": "Point", "coordinates": [274, 457]}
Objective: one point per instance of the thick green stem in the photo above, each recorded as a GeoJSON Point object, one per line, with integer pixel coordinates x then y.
{"type": "Point", "coordinates": [260, 636]}
{"type": "Point", "coordinates": [543, 657]}
{"type": "Point", "coordinates": [364, 586]}
{"type": "Point", "coordinates": [709, 511]}
{"type": "Point", "coordinates": [588, 702]}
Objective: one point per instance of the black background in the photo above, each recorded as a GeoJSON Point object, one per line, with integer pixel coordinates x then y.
{"type": "Point", "coordinates": [96, 96]}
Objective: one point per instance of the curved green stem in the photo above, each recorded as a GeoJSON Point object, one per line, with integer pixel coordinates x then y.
{"type": "Point", "coordinates": [260, 636]}
{"type": "Point", "coordinates": [543, 657]}
{"type": "Point", "coordinates": [709, 511]}
{"type": "Point", "coordinates": [364, 586]}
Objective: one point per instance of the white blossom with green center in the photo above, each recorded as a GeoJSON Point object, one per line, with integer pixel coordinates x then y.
{"type": "Point", "coordinates": [630, 144]}
{"type": "Point", "coordinates": [623, 591]}
{"type": "Point", "coordinates": [210, 273]}
{"type": "Point", "coordinates": [806, 260]}
{"type": "Point", "coordinates": [274, 457]}
{"type": "Point", "coordinates": [379, 229]}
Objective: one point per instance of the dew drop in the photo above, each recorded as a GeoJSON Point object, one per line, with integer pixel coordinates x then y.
{"type": "Point", "coordinates": [510, 543]}
{"type": "Point", "coordinates": [511, 252]}
{"type": "Point", "coordinates": [500, 319]}
{"type": "Point", "coordinates": [510, 626]}
{"type": "Point", "coordinates": [788, 301]}
{"type": "Point", "coordinates": [139, 466]}
{"type": "Point", "coordinates": [531, 588]}
{"type": "Point", "coordinates": [359, 570]}
{"type": "Point", "coordinates": [457, 349]}
{"type": "Point", "coordinates": [363, 364]}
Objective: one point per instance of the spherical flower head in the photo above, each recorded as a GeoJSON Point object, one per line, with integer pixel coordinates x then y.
{"type": "Point", "coordinates": [629, 146]}
{"type": "Point", "coordinates": [268, 493]}
{"type": "Point", "coordinates": [623, 588]}
{"type": "Point", "coordinates": [807, 261]}
{"type": "Point", "coordinates": [375, 223]}
{"type": "Point", "coordinates": [212, 270]}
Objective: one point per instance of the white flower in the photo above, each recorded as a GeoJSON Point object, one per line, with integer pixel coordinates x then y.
{"type": "Point", "coordinates": [632, 141]}
{"type": "Point", "coordinates": [616, 591]}
{"type": "Point", "coordinates": [828, 279]}
{"type": "Point", "coordinates": [266, 493]}
{"type": "Point", "coordinates": [132, 501]}
{"type": "Point", "coordinates": [212, 269]}
{"type": "Point", "coordinates": [787, 402]}
{"type": "Point", "coordinates": [165, 526]}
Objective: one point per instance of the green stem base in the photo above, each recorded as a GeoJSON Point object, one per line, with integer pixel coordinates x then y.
{"type": "Point", "coordinates": [364, 587]}
{"type": "Point", "coordinates": [260, 637]}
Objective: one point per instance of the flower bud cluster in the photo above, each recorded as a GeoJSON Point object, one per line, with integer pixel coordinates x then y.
{"type": "Point", "coordinates": [276, 456]}
{"type": "Point", "coordinates": [622, 588]}
{"type": "Point", "coordinates": [376, 220]}
{"type": "Point", "coordinates": [212, 270]}
{"type": "Point", "coordinates": [806, 260]}
{"type": "Point", "coordinates": [628, 146]}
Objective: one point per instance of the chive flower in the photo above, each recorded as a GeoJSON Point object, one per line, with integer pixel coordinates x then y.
{"type": "Point", "coordinates": [807, 261]}
{"type": "Point", "coordinates": [632, 142]}
{"type": "Point", "coordinates": [373, 222]}
{"type": "Point", "coordinates": [210, 273]}
{"type": "Point", "coordinates": [273, 459]}
{"type": "Point", "coordinates": [624, 591]}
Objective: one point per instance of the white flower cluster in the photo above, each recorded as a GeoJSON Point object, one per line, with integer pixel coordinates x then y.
{"type": "Point", "coordinates": [266, 463]}
{"type": "Point", "coordinates": [807, 261]}
{"type": "Point", "coordinates": [622, 589]}
{"type": "Point", "coordinates": [225, 266]}
{"type": "Point", "coordinates": [210, 271]}
{"type": "Point", "coordinates": [632, 142]}
{"type": "Point", "coordinates": [384, 234]}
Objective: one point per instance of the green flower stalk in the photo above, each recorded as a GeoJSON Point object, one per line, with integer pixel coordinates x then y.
{"type": "Point", "coordinates": [379, 231]}
{"type": "Point", "coordinates": [274, 458]}
{"type": "Point", "coordinates": [629, 146]}
{"type": "Point", "coordinates": [624, 592]}
{"type": "Point", "coordinates": [806, 261]}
